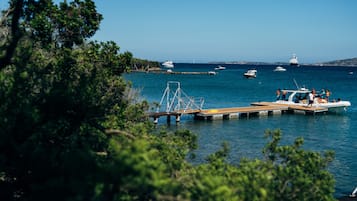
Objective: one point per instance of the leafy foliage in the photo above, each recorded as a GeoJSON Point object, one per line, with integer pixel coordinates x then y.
{"type": "Point", "coordinates": [144, 64]}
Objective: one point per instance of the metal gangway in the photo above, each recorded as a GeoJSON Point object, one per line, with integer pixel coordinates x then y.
{"type": "Point", "coordinates": [175, 102]}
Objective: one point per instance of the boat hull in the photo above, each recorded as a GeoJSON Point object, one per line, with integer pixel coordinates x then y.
{"type": "Point", "coordinates": [168, 65]}
{"type": "Point", "coordinates": [250, 76]}
{"type": "Point", "coordinates": [333, 107]}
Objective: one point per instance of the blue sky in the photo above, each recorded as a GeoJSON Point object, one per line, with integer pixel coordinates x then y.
{"type": "Point", "coordinates": [231, 30]}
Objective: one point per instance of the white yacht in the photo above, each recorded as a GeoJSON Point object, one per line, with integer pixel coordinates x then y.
{"type": "Point", "coordinates": [279, 69]}
{"type": "Point", "coordinates": [322, 99]}
{"type": "Point", "coordinates": [294, 61]}
{"type": "Point", "coordinates": [168, 64]}
{"type": "Point", "coordinates": [252, 73]}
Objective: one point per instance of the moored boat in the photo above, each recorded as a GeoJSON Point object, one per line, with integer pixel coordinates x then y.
{"type": "Point", "coordinates": [212, 73]}
{"type": "Point", "coordinates": [168, 64]}
{"type": "Point", "coordinates": [220, 68]}
{"type": "Point", "coordinates": [310, 98]}
{"type": "Point", "coordinates": [252, 73]}
{"type": "Point", "coordinates": [294, 61]}
{"type": "Point", "coordinates": [279, 69]}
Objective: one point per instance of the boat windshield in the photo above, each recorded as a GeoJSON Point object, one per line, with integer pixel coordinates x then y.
{"type": "Point", "coordinates": [302, 95]}
{"type": "Point", "coordinates": [293, 96]}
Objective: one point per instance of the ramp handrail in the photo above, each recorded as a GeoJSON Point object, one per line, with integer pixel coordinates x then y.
{"type": "Point", "coordinates": [178, 100]}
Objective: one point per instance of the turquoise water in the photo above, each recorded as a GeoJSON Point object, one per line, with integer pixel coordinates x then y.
{"type": "Point", "coordinates": [246, 136]}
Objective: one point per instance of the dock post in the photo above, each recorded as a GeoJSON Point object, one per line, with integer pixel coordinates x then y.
{"type": "Point", "coordinates": [168, 119]}
{"type": "Point", "coordinates": [264, 113]}
{"type": "Point", "coordinates": [156, 120]}
{"type": "Point", "coordinates": [178, 118]}
{"type": "Point", "coordinates": [277, 112]}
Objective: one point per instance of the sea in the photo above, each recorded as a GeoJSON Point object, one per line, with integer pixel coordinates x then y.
{"type": "Point", "coordinates": [229, 88]}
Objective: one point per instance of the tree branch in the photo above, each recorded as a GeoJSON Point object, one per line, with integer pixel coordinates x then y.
{"type": "Point", "coordinates": [15, 33]}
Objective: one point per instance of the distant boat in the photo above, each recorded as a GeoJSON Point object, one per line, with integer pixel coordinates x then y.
{"type": "Point", "coordinates": [168, 64]}
{"type": "Point", "coordinates": [294, 61]}
{"type": "Point", "coordinates": [252, 73]}
{"type": "Point", "coordinates": [220, 68]}
{"type": "Point", "coordinates": [279, 69]}
{"type": "Point", "coordinates": [212, 73]}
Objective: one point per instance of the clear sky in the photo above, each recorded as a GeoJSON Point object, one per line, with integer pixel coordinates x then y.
{"type": "Point", "coordinates": [231, 30]}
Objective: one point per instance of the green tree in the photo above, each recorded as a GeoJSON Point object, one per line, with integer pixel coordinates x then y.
{"type": "Point", "coordinates": [126, 60]}
{"type": "Point", "coordinates": [299, 174]}
{"type": "Point", "coordinates": [55, 103]}
{"type": "Point", "coordinates": [68, 129]}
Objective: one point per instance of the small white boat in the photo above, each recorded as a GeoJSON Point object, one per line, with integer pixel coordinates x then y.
{"type": "Point", "coordinates": [252, 73]}
{"type": "Point", "coordinates": [294, 61]}
{"type": "Point", "coordinates": [168, 64]}
{"type": "Point", "coordinates": [212, 73]}
{"type": "Point", "coordinates": [220, 68]}
{"type": "Point", "coordinates": [279, 69]}
{"type": "Point", "coordinates": [301, 97]}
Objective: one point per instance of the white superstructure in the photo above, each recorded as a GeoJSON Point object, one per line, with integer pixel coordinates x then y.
{"type": "Point", "coordinates": [168, 64]}
{"type": "Point", "coordinates": [294, 61]}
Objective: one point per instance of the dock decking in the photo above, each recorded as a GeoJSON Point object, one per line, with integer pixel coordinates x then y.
{"type": "Point", "coordinates": [257, 109]}
{"type": "Point", "coordinates": [176, 72]}
{"type": "Point", "coordinates": [295, 108]}
{"type": "Point", "coordinates": [238, 112]}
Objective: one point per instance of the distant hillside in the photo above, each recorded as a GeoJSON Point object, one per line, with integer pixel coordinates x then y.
{"type": "Point", "coordinates": [344, 62]}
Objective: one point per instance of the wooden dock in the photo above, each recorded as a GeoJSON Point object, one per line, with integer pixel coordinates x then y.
{"type": "Point", "coordinates": [295, 108]}
{"type": "Point", "coordinates": [176, 72]}
{"type": "Point", "coordinates": [256, 109]}
{"type": "Point", "coordinates": [239, 112]}
{"type": "Point", "coordinates": [177, 114]}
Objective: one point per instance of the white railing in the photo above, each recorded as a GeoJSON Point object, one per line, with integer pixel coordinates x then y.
{"type": "Point", "coordinates": [177, 100]}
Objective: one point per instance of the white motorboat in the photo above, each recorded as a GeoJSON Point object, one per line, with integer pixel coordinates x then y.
{"type": "Point", "coordinates": [252, 73]}
{"type": "Point", "coordinates": [301, 96]}
{"type": "Point", "coordinates": [294, 61]}
{"type": "Point", "coordinates": [168, 64]}
{"type": "Point", "coordinates": [279, 69]}
{"type": "Point", "coordinates": [220, 68]}
{"type": "Point", "coordinates": [212, 73]}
